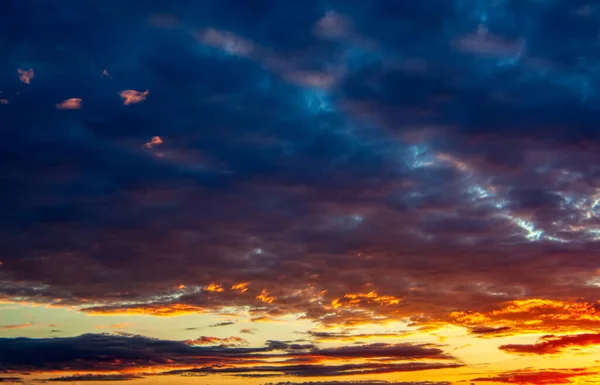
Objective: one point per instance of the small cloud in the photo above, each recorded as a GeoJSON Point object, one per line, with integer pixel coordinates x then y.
{"type": "Point", "coordinates": [222, 324]}
{"type": "Point", "coordinates": [96, 377]}
{"type": "Point", "coordinates": [488, 330]}
{"type": "Point", "coordinates": [25, 76]}
{"type": "Point", "coordinates": [11, 379]}
{"type": "Point", "coordinates": [16, 326]}
{"type": "Point", "coordinates": [552, 344]}
{"type": "Point", "coordinates": [3, 101]}
{"type": "Point", "coordinates": [247, 331]}
{"type": "Point", "coordinates": [264, 297]}
{"type": "Point", "coordinates": [242, 287]}
{"type": "Point", "coordinates": [70, 104]}
{"type": "Point", "coordinates": [105, 73]}
{"type": "Point", "coordinates": [114, 326]}
{"type": "Point", "coordinates": [155, 141]}
{"type": "Point", "coordinates": [214, 288]}
{"type": "Point", "coordinates": [228, 341]}
{"type": "Point", "coordinates": [132, 96]}
{"type": "Point", "coordinates": [332, 26]}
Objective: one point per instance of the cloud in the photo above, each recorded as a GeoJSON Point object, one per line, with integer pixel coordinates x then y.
{"type": "Point", "coordinates": [531, 376]}
{"type": "Point", "coordinates": [70, 104]}
{"type": "Point", "coordinates": [16, 326]}
{"type": "Point", "coordinates": [347, 336]}
{"type": "Point", "coordinates": [227, 323]}
{"type": "Point", "coordinates": [360, 383]}
{"type": "Point", "coordinates": [95, 377]}
{"type": "Point", "coordinates": [108, 353]}
{"type": "Point", "coordinates": [490, 330]}
{"type": "Point", "coordinates": [228, 341]}
{"type": "Point", "coordinates": [133, 96]}
{"type": "Point", "coordinates": [114, 326]}
{"type": "Point", "coordinates": [328, 155]}
{"type": "Point", "coordinates": [552, 344]}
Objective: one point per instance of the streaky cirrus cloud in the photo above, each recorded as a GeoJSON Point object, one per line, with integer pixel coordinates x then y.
{"type": "Point", "coordinates": [95, 377]}
{"type": "Point", "coordinates": [360, 383]}
{"type": "Point", "coordinates": [552, 344]}
{"type": "Point", "coordinates": [16, 326]}
{"type": "Point", "coordinates": [109, 353]}
{"type": "Point", "coordinates": [534, 377]}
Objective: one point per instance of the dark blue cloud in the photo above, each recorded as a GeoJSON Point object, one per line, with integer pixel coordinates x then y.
{"type": "Point", "coordinates": [434, 139]}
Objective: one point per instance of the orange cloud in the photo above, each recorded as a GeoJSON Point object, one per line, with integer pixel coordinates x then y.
{"type": "Point", "coordinates": [157, 310]}
{"type": "Point", "coordinates": [17, 326]}
{"type": "Point", "coordinates": [132, 96]}
{"type": "Point", "coordinates": [214, 288]}
{"type": "Point", "coordinates": [154, 141]}
{"type": "Point", "coordinates": [351, 300]}
{"type": "Point", "coordinates": [25, 76]}
{"type": "Point", "coordinates": [554, 344]}
{"type": "Point", "coordinates": [70, 104]}
{"type": "Point", "coordinates": [533, 315]}
{"type": "Point", "coordinates": [530, 376]}
{"type": "Point", "coordinates": [264, 297]}
{"type": "Point", "coordinates": [241, 287]}
{"type": "Point", "coordinates": [228, 341]}
{"type": "Point", "coordinates": [114, 326]}
{"type": "Point", "coordinates": [323, 336]}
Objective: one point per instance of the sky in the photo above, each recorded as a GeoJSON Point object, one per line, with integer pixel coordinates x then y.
{"type": "Point", "coordinates": [384, 192]}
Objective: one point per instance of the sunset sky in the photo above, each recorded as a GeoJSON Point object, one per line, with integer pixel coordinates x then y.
{"type": "Point", "coordinates": [389, 192]}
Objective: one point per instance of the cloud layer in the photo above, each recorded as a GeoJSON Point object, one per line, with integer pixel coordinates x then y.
{"type": "Point", "coordinates": [434, 162]}
{"type": "Point", "coordinates": [117, 353]}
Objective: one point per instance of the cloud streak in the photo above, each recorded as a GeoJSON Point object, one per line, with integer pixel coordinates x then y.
{"type": "Point", "coordinates": [109, 353]}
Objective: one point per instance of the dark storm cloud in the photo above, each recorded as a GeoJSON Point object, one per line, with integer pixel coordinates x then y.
{"type": "Point", "coordinates": [103, 352]}
{"type": "Point", "coordinates": [439, 154]}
